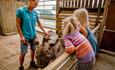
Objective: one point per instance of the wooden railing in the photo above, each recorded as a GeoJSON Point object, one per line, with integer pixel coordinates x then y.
{"type": "Point", "coordinates": [81, 3]}
{"type": "Point", "coordinates": [65, 8]}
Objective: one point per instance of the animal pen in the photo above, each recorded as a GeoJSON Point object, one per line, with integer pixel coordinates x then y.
{"type": "Point", "coordinates": [101, 17]}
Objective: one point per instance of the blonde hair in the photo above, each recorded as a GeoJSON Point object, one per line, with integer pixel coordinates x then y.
{"type": "Point", "coordinates": [69, 25]}
{"type": "Point", "coordinates": [82, 15]}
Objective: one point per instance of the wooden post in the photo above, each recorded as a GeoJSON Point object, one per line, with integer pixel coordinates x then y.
{"type": "Point", "coordinates": [57, 17]}
{"type": "Point", "coordinates": [7, 16]}
{"type": "Point", "coordinates": [102, 26]}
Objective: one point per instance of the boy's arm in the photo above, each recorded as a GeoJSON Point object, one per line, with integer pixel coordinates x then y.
{"type": "Point", "coordinates": [40, 25]}
{"type": "Point", "coordinates": [18, 22]}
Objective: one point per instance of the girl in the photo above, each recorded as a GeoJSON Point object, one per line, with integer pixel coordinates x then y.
{"type": "Point", "coordinates": [82, 15]}
{"type": "Point", "coordinates": [75, 42]}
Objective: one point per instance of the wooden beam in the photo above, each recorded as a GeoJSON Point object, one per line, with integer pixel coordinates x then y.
{"type": "Point", "coordinates": [107, 52]}
{"type": "Point", "coordinates": [57, 62]}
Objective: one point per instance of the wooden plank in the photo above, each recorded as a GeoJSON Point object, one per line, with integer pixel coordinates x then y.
{"type": "Point", "coordinates": [8, 24]}
{"type": "Point", "coordinates": [57, 62]}
{"type": "Point", "coordinates": [109, 32]}
{"type": "Point", "coordinates": [102, 26]}
{"type": "Point", "coordinates": [86, 5]}
{"type": "Point", "coordinates": [108, 52]}
{"type": "Point", "coordinates": [0, 20]}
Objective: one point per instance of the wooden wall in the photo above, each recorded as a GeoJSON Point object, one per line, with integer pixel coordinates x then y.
{"type": "Point", "coordinates": [108, 39]}
{"type": "Point", "coordinates": [20, 3]}
{"type": "Point", "coordinates": [66, 8]}
{"type": "Point", "coordinates": [7, 16]}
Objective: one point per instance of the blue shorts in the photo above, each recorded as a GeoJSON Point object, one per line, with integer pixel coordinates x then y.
{"type": "Point", "coordinates": [24, 48]}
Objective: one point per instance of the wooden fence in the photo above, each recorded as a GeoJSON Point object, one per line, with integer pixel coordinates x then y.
{"type": "Point", "coordinates": [7, 16]}
{"type": "Point", "coordinates": [66, 8]}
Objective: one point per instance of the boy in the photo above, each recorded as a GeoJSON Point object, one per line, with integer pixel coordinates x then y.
{"type": "Point", "coordinates": [26, 18]}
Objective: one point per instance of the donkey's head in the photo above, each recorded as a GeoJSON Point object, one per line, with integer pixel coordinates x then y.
{"type": "Point", "coordinates": [45, 52]}
{"type": "Point", "coordinates": [52, 38]}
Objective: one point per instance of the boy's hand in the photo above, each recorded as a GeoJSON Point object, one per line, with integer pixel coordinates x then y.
{"type": "Point", "coordinates": [46, 33]}
{"type": "Point", "coordinates": [23, 40]}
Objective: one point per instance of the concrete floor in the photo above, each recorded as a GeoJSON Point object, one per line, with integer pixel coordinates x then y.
{"type": "Point", "coordinates": [9, 53]}
{"type": "Point", "coordinates": [10, 50]}
{"type": "Point", "coordinates": [105, 62]}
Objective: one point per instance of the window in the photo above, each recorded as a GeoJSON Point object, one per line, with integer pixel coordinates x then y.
{"type": "Point", "coordinates": [47, 9]}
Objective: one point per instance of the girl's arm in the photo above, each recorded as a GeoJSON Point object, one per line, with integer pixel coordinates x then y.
{"type": "Point", "coordinates": [69, 47]}
{"type": "Point", "coordinates": [83, 31]}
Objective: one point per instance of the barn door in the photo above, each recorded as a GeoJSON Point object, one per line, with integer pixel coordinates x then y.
{"type": "Point", "coordinates": [108, 40]}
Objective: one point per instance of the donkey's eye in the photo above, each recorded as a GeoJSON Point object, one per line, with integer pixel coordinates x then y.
{"type": "Point", "coordinates": [49, 48]}
{"type": "Point", "coordinates": [47, 52]}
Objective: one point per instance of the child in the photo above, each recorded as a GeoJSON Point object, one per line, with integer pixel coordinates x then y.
{"type": "Point", "coordinates": [76, 42]}
{"type": "Point", "coordinates": [82, 15]}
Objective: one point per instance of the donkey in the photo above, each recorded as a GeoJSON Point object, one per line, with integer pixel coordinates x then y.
{"type": "Point", "coordinates": [48, 50]}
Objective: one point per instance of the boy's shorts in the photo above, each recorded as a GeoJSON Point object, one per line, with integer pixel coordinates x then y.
{"type": "Point", "coordinates": [24, 48]}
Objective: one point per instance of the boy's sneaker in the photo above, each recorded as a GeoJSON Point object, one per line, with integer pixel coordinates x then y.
{"type": "Point", "coordinates": [21, 68]}
{"type": "Point", "coordinates": [33, 64]}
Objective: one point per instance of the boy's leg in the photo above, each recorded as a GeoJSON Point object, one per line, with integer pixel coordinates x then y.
{"type": "Point", "coordinates": [33, 48]}
{"type": "Point", "coordinates": [21, 59]}
{"type": "Point", "coordinates": [32, 55]}
{"type": "Point", "coordinates": [22, 55]}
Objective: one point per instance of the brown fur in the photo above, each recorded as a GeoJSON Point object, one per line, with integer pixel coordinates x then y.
{"type": "Point", "coordinates": [48, 50]}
